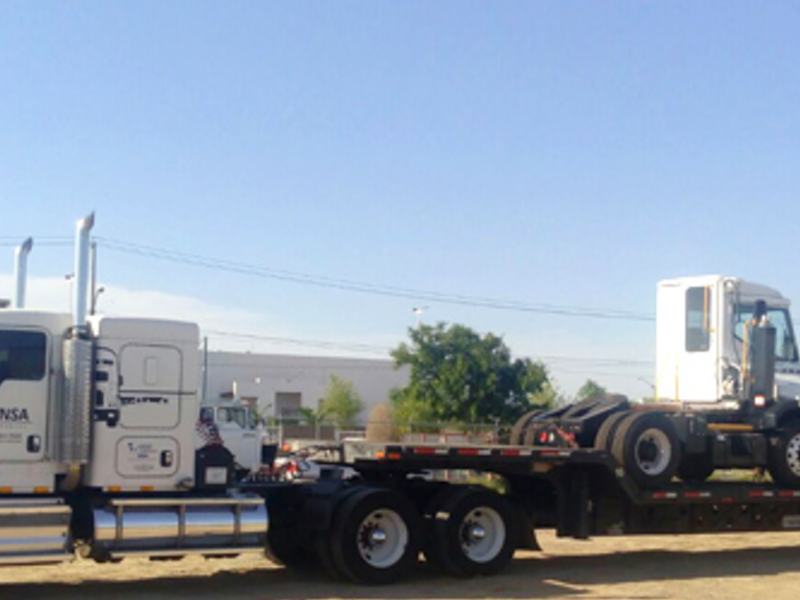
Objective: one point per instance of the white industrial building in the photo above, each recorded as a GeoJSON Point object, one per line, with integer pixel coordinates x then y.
{"type": "Point", "coordinates": [280, 384]}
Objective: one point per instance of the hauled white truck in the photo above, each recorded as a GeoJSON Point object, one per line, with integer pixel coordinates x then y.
{"type": "Point", "coordinates": [99, 457]}
{"type": "Point", "coordinates": [727, 391]}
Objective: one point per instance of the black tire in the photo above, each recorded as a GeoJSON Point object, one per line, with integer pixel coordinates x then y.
{"type": "Point", "coordinates": [283, 549]}
{"type": "Point", "coordinates": [471, 532]}
{"type": "Point", "coordinates": [695, 468]}
{"type": "Point", "coordinates": [783, 458]}
{"type": "Point", "coordinates": [517, 437]}
{"type": "Point", "coordinates": [646, 445]}
{"type": "Point", "coordinates": [376, 537]}
{"type": "Point", "coordinates": [605, 435]}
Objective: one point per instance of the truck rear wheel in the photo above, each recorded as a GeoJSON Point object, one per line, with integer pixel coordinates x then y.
{"type": "Point", "coordinates": [646, 445]}
{"type": "Point", "coordinates": [783, 458]}
{"type": "Point", "coordinates": [471, 532]}
{"type": "Point", "coordinates": [375, 537]}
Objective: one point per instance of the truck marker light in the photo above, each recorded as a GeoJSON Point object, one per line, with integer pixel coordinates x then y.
{"type": "Point", "coordinates": [6, 490]}
{"type": "Point", "coordinates": [380, 455]}
{"type": "Point", "coordinates": [41, 490]}
{"type": "Point", "coordinates": [114, 489]}
{"type": "Point", "coordinates": [395, 456]}
{"type": "Point", "coordinates": [147, 488]}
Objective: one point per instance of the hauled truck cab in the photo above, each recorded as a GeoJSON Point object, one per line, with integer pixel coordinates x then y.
{"type": "Point", "coordinates": [703, 340]}
{"type": "Point", "coordinates": [727, 393]}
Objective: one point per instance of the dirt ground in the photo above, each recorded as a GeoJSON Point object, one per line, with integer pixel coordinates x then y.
{"type": "Point", "coordinates": [726, 566]}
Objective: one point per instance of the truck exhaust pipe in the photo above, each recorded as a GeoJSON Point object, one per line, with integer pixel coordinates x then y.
{"type": "Point", "coordinates": [21, 272]}
{"type": "Point", "coordinates": [82, 250]}
{"type": "Point", "coordinates": [77, 351]}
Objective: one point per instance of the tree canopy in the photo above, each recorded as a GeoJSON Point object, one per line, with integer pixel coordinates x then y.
{"type": "Point", "coordinates": [341, 403]}
{"type": "Point", "coordinates": [590, 390]}
{"type": "Point", "coordinates": [459, 376]}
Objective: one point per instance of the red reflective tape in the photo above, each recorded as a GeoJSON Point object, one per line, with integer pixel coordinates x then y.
{"type": "Point", "coordinates": [556, 453]}
{"type": "Point", "coordinates": [692, 495]}
{"type": "Point", "coordinates": [424, 450]}
{"type": "Point", "coordinates": [761, 494]}
{"type": "Point", "coordinates": [787, 494]}
{"type": "Point", "coordinates": [510, 453]}
{"type": "Point", "coordinates": [468, 451]}
{"type": "Point", "coordinates": [664, 495]}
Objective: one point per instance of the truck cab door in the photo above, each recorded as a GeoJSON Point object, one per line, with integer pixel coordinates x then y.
{"type": "Point", "coordinates": [700, 365]}
{"type": "Point", "coordinates": [24, 390]}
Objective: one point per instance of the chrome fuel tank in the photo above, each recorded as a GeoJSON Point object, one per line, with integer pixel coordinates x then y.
{"type": "Point", "coordinates": [179, 526]}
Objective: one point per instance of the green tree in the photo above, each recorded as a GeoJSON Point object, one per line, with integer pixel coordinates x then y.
{"type": "Point", "coordinates": [459, 376]}
{"type": "Point", "coordinates": [341, 403]}
{"type": "Point", "coordinates": [589, 390]}
{"type": "Point", "coordinates": [548, 397]}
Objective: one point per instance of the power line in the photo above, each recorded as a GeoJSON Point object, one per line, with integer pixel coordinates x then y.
{"type": "Point", "coordinates": [355, 347]}
{"type": "Point", "coordinates": [384, 351]}
{"type": "Point", "coordinates": [359, 286]}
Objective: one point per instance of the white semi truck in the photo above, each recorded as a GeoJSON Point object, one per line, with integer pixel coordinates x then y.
{"type": "Point", "coordinates": [98, 451]}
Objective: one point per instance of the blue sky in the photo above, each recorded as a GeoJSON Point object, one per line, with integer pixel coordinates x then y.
{"type": "Point", "coordinates": [560, 153]}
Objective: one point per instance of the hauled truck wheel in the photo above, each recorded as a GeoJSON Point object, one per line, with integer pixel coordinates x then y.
{"type": "Point", "coordinates": [784, 455]}
{"type": "Point", "coordinates": [517, 437]}
{"type": "Point", "coordinates": [471, 532]}
{"type": "Point", "coordinates": [605, 435]}
{"type": "Point", "coordinates": [375, 537]}
{"type": "Point", "coordinates": [646, 445]}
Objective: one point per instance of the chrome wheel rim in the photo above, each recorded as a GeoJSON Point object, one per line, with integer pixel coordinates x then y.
{"type": "Point", "coordinates": [482, 534]}
{"type": "Point", "coordinates": [382, 538]}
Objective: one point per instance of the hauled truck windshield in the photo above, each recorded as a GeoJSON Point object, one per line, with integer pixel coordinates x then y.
{"type": "Point", "coordinates": [785, 347]}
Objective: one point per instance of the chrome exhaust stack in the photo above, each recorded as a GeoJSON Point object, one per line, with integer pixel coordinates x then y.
{"type": "Point", "coordinates": [21, 272]}
{"type": "Point", "coordinates": [81, 290]}
{"type": "Point", "coordinates": [75, 418]}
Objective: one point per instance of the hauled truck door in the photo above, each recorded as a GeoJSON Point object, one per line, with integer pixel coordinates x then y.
{"type": "Point", "coordinates": [24, 387]}
{"type": "Point", "coordinates": [688, 339]}
{"type": "Point", "coordinates": [699, 378]}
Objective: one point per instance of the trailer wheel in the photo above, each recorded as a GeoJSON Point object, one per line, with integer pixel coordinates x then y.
{"type": "Point", "coordinates": [605, 435]}
{"type": "Point", "coordinates": [646, 445]}
{"type": "Point", "coordinates": [471, 532]}
{"type": "Point", "coordinates": [375, 537]}
{"type": "Point", "coordinates": [517, 437]}
{"type": "Point", "coordinates": [783, 458]}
